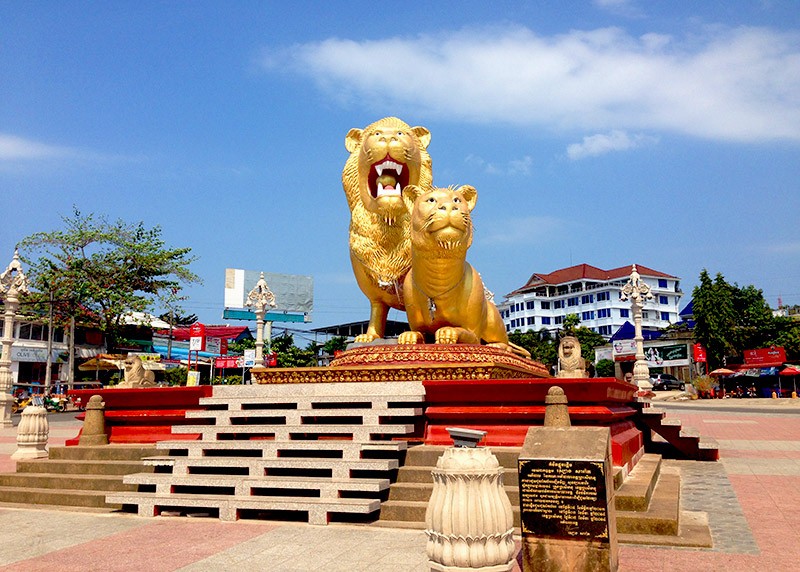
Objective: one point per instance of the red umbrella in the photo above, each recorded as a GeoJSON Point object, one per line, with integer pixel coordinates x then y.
{"type": "Point", "coordinates": [791, 370]}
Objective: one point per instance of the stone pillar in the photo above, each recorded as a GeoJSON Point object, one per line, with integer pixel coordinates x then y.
{"type": "Point", "coordinates": [94, 424]}
{"type": "Point", "coordinates": [260, 298]}
{"type": "Point", "coordinates": [638, 292]}
{"type": "Point", "coordinates": [32, 433]}
{"type": "Point", "coordinates": [13, 282]}
{"type": "Point", "coordinates": [469, 520]}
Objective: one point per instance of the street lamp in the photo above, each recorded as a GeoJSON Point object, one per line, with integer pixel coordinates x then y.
{"type": "Point", "coordinates": [638, 292]}
{"type": "Point", "coordinates": [260, 298]}
{"type": "Point", "coordinates": [13, 282]}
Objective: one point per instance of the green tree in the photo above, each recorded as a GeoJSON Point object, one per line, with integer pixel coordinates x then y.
{"type": "Point", "coordinates": [714, 316]}
{"type": "Point", "coordinates": [730, 319]}
{"type": "Point", "coordinates": [571, 321]}
{"type": "Point", "coordinates": [540, 345]}
{"type": "Point", "coordinates": [99, 271]}
{"type": "Point", "coordinates": [179, 320]}
{"type": "Point", "coordinates": [335, 344]}
{"type": "Point", "coordinates": [589, 340]}
{"type": "Point", "coordinates": [605, 368]}
{"type": "Point", "coordinates": [290, 355]}
{"type": "Point", "coordinates": [237, 348]}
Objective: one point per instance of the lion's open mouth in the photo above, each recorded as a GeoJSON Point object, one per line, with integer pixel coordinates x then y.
{"type": "Point", "coordinates": [387, 178]}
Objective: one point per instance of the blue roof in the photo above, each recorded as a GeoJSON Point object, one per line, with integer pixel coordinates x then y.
{"type": "Point", "coordinates": [627, 332]}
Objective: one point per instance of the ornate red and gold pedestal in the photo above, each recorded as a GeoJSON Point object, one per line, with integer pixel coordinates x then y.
{"type": "Point", "coordinates": [481, 387]}
{"type": "Point", "coordinates": [424, 362]}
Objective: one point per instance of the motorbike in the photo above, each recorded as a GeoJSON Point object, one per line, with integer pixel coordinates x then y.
{"type": "Point", "coordinates": [54, 404]}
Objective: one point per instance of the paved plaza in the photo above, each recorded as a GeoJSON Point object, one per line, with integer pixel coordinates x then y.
{"type": "Point", "coordinates": [751, 497]}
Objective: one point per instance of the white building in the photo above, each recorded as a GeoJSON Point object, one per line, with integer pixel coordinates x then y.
{"type": "Point", "coordinates": [594, 295]}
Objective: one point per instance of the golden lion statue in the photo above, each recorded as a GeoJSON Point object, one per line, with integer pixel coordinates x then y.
{"type": "Point", "coordinates": [384, 158]}
{"type": "Point", "coordinates": [444, 295]}
{"type": "Point", "coordinates": [136, 375]}
{"type": "Point", "coordinates": [570, 362]}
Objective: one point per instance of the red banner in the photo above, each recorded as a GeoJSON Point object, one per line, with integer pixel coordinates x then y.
{"type": "Point", "coordinates": [765, 357]}
{"type": "Point", "coordinates": [228, 362]}
{"type": "Point", "coordinates": [699, 353]}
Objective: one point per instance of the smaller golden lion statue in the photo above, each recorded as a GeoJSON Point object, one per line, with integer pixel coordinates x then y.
{"type": "Point", "coordinates": [570, 362]}
{"type": "Point", "coordinates": [444, 295]}
{"type": "Point", "coordinates": [136, 375]}
{"type": "Point", "coordinates": [384, 157]}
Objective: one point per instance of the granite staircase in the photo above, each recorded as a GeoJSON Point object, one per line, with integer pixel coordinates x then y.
{"type": "Point", "coordinates": [673, 438]}
{"type": "Point", "coordinates": [75, 476]}
{"type": "Point", "coordinates": [647, 500]}
{"type": "Point", "coordinates": [317, 452]}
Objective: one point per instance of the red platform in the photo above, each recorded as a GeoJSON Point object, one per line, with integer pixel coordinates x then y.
{"type": "Point", "coordinates": [505, 408]}
{"type": "Point", "coordinates": [145, 415]}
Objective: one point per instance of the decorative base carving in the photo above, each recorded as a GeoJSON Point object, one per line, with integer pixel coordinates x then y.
{"type": "Point", "coordinates": [423, 362]}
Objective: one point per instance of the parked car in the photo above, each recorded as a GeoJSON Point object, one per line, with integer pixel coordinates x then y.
{"type": "Point", "coordinates": [664, 381]}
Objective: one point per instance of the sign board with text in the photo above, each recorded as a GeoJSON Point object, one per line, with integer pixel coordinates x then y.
{"type": "Point", "coordinates": [566, 498]}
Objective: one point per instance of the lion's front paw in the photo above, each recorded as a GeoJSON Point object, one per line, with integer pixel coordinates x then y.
{"type": "Point", "coordinates": [447, 335]}
{"type": "Point", "coordinates": [407, 338]}
{"type": "Point", "coordinates": [366, 338]}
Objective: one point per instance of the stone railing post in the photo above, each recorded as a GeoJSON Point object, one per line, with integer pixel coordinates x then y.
{"type": "Point", "coordinates": [94, 424]}
{"type": "Point", "coordinates": [32, 433]}
{"type": "Point", "coordinates": [469, 520]}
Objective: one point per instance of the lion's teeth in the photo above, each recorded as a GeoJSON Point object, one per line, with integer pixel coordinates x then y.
{"type": "Point", "coordinates": [380, 189]}
{"type": "Point", "coordinates": [399, 169]}
{"type": "Point", "coordinates": [379, 168]}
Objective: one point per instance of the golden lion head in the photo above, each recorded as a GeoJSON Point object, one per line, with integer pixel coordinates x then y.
{"type": "Point", "coordinates": [441, 217]}
{"type": "Point", "coordinates": [384, 158]}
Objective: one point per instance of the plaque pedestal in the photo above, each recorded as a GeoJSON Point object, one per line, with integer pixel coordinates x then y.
{"type": "Point", "coordinates": [567, 511]}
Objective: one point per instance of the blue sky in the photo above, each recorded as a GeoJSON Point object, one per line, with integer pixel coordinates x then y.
{"type": "Point", "coordinates": [606, 132]}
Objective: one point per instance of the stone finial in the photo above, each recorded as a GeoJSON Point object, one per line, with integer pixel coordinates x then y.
{"type": "Point", "coordinates": [32, 433]}
{"type": "Point", "coordinates": [469, 521]}
{"type": "Point", "coordinates": [556, 412]}
{"type": "Point", "coordinates": [94, 424]}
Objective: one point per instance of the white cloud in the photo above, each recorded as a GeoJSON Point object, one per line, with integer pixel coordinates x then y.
{"type": "Point", "coordinates": [740, 84]}
{"type": "Point", "coordinates": [788, 247]}
{"type": "Point", "coordinates": [13, 148]}
{"type": "Point", "coordinates": [520, 166]}
{"type": "Point", "coordinates": [521, 230]}
{"type": "Point", "coordinates": [600, 144]}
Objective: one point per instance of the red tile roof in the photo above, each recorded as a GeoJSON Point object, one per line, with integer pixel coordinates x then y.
{"type": "Point", "coordinates": [587, 272]}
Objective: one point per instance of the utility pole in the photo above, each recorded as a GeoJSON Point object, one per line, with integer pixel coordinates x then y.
{"type": "Point", "coordinates": [48, 372]}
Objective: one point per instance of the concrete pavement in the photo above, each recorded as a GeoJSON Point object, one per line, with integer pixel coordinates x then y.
{"type": "Point", "coordinates": [751, 498]}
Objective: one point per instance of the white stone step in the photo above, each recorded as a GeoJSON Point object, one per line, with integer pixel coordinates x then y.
{"type": "Point", "coordinates": [284, 432]}
{"type": "Point", "coordinates": [339, 468]}
{"type": "Point", "coordinates": [392, 391]}
{"type": "Point", "coordinates": [290, 416]}
{"type": "Point", "coordinates": [350, 449]}
{"type": "Point", "coordinates": [243, 486]}
{"type": "Point", "coordinates": [318, 509]}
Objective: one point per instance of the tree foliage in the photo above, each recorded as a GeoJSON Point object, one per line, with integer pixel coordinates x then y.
{"type": "Point", "coordinates": [730, 319]}
{"type": "Point", "coordinates": [179, 320]}
{"type": "Point", "coordinates": [335, 344]}
{"type": "Point", "coordinates": [98, 271]}
{"type": "Point", "coordinates": [543, 345]}
{"type": "Point", "coordinates": [290, 355]}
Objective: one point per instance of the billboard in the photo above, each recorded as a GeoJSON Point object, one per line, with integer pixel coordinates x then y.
{"type": "Point", "coordinates": [293, 292]}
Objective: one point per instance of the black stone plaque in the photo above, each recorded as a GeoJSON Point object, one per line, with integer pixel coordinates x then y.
{"type": "Point", "coordinates": [563, 499]}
